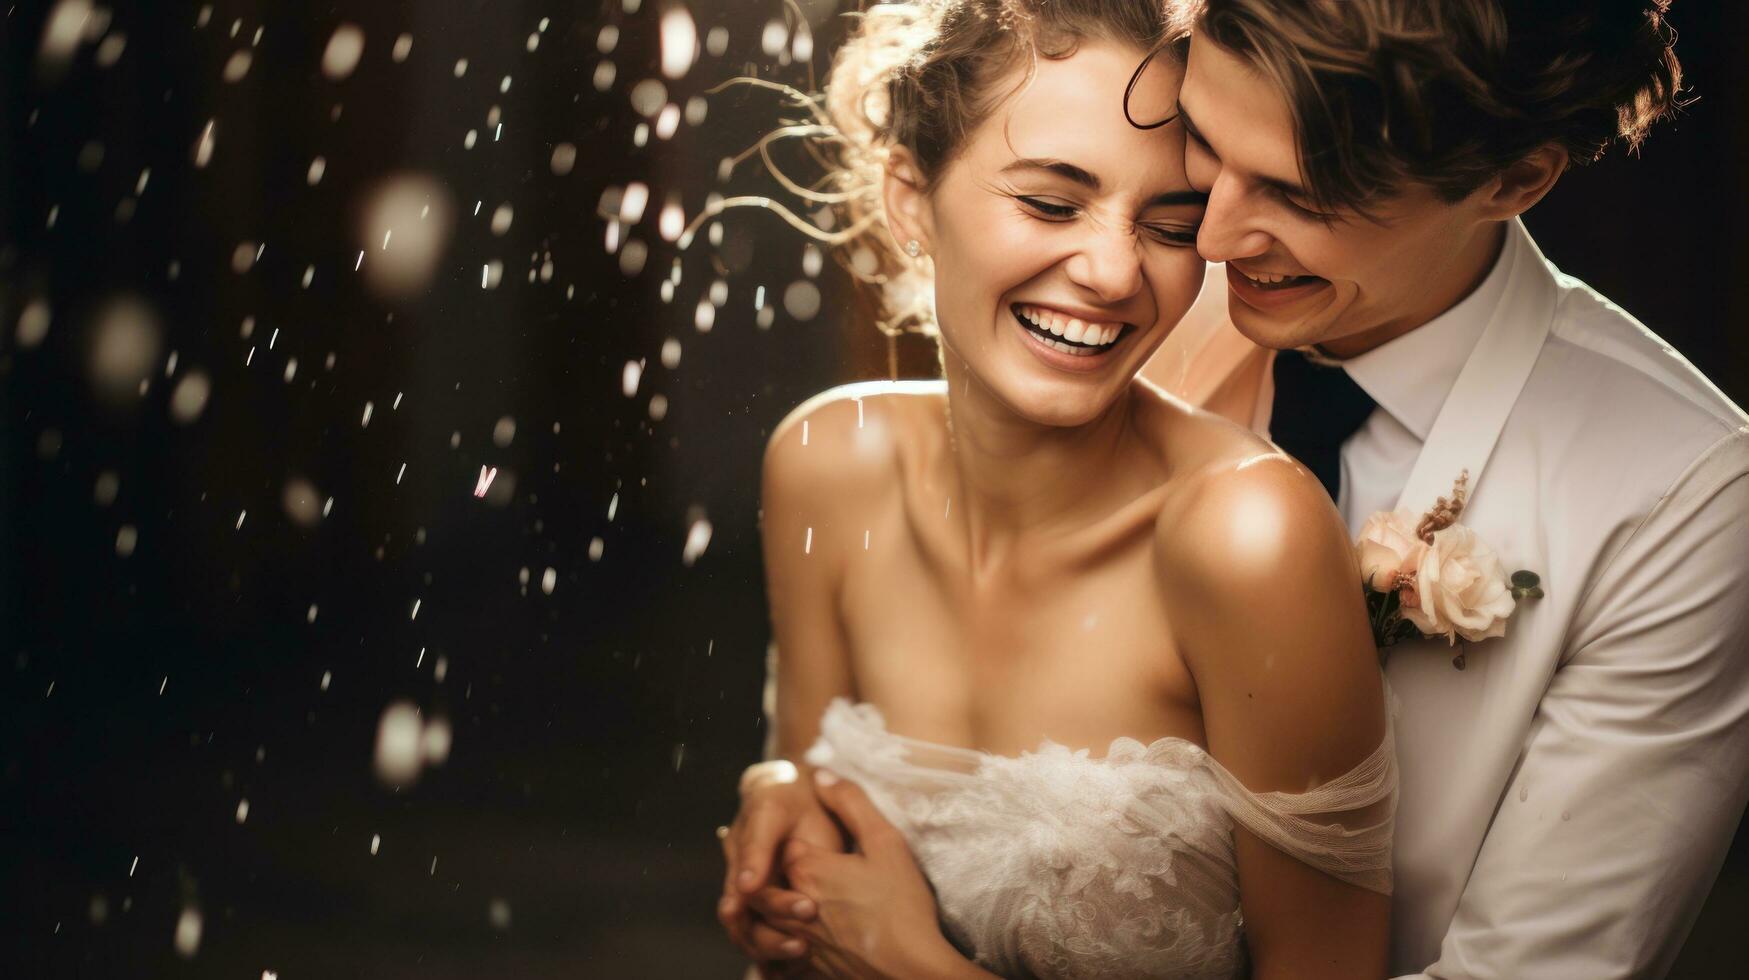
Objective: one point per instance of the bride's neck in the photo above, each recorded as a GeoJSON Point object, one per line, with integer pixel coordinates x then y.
{"type": "Point", "coordinates": [1016, 477]}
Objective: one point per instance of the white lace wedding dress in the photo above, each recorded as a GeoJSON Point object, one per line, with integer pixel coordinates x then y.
{"type": "Point", "coordinates": [1055, 864]}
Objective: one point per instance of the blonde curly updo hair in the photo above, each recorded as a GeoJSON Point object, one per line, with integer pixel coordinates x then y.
{"type": "Point", "coordinates": [924, 75]}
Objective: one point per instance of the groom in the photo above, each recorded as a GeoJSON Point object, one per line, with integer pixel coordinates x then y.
{"type": "Point", "coordinates": [1569, 791]}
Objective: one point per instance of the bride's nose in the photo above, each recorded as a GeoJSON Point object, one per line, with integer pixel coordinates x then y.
{"type": "Point", "coordinates": [1108, 264]}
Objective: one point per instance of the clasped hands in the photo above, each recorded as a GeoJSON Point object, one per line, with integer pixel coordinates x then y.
{"type": "Point", "coordinates": [818, 883]}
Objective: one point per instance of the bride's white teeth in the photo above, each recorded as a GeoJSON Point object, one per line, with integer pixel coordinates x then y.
{"type": "Point", "coordinates": [1071, 329]}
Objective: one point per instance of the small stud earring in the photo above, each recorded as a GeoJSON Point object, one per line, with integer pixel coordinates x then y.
{"type": "Point", "coordinates": [913, 248]}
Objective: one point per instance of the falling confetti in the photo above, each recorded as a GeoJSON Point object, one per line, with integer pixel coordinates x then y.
{"type": "Point", "coordinates": [484, 483]}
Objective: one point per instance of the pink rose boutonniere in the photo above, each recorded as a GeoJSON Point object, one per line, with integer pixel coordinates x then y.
{"type": "Point", "coordinates": [1429, 576]}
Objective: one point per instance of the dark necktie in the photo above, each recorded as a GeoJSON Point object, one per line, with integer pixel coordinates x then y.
{"type": "Point", "coordinates": [1317, 407]}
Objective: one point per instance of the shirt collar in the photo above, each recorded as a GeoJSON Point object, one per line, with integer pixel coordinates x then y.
{"type": "Point", "coordinates": [1411, 375]}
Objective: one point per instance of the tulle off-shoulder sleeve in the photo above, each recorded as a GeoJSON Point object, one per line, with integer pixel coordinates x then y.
{"type": "Point", "coordinates": [1341, 827]}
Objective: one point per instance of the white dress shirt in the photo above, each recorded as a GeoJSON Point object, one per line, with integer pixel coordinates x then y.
{"type": "Point", "coordinates": [1410, 378]}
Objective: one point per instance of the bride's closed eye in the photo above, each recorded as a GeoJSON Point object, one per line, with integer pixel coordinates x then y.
{"type": "Point", "coordinates": [1046, 209]}
{"type": "Point", "coordinates": [1177, 236]}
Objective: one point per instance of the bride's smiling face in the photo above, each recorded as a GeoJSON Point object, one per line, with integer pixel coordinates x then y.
{"type": "Point", "coordinates": [1063, 237]}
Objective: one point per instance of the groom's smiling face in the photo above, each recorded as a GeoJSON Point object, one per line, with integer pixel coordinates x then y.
{"type": "Point", "coordinates": [1298, 276]}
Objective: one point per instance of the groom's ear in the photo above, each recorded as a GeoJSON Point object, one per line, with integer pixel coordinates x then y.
{"type": "Point", "coordinates": [905, 200]}
{"type": "Point", "coordinates": [1517, 188]}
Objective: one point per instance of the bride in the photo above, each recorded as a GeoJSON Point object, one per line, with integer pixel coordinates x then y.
{"type": "Point", "coordinates": [1083, 673]}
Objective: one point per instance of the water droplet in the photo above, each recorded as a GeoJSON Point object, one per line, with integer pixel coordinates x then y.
{"type": "Point", "coordinates": [126, 540]}
{"type": "Point", "coordinates": [668, 122]}
{"type": "Point", "coordinates": [774, 38]}
{"type": "Point", "coordinates": [504, 432]}
{"type": "Point", "coordinates": [398, 751]}
{"type": "Point", "coordinates": [632, 258]}
{"type": "Point", "coordinates": [62, 33]}
{"type": "Point", "coordinates": [242, 810]}
{"type": "Point", "coordinates": [33, 324]}
{"type": "Point", "coordinates": [345, 48]}
{"type": "Point", "coordinates": [300, 501]}
{"type": "Point", "coordinates": [648, 97]}
{"type": "Point", "coordinates": [414, 211]}
{"type": "Point", "coordinates": [403, 48]}
{"type": "Point", "coordinates": [633, 201]}
{"type": "Point", "coordinates": [698, 538]}
{"type": "Point", "coordinates": [188, 928]}
{"type": "Point", "coordinates": [549, 580]}
{"type": "Point", "coordinates": [801, 299]}
{"type": "Point", "coordinates": [124, 348]}
{"type": "Point", "coordinates": [237, 65]}
{"type": "Point", "coordinates": [629, 379]}
{"type": "Point", "coordinates": [564, 159]}
{"type": "Point", "coordinates": [672, 220]}
{"type": "Point", "coordinates": [679, 42]}
{"type": "Point", "coordinates": [203, 147]}
{"type": "Point", "coordinates": [435, 742]}
{"type": "Point", "coordinates": [189, 399]}
{"type": "Point", "coordinates": [498, 914]}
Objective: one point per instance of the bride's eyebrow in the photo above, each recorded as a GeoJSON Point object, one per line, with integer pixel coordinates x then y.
{"type": "Point", "coordinates": [1071, 172]}
{"type": "Point", "coordinates": [1059, 167]}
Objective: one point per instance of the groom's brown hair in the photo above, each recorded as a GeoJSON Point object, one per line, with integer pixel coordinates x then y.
{"type": "Point", "coordinates": [1447, 93]}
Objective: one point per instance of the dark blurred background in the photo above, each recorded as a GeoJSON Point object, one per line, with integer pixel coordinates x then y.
{"type": "Point", "coordinates": [278, 280]}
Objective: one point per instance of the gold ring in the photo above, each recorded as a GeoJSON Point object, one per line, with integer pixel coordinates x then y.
{"type": "Point", "coordinates": [723, 833]}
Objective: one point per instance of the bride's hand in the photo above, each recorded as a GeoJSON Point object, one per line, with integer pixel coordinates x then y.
{"type": "Point", "coordinates": [876, 913]}
{"type": "Point", "coordinates": [757, 908]}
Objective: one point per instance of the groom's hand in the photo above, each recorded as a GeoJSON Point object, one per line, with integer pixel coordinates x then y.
{"type": "Point", "coordinates": [758, 911]}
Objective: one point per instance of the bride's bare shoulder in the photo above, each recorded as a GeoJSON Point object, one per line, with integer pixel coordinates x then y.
{"type": "Point", "coordinates": [855, 440]}
{"type": "Point", "coordinates": [1240, 511]}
